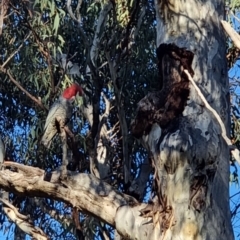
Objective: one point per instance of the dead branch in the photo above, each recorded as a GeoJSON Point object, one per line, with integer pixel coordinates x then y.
{"type": "Point", "coordinates": [231, 33]}
{"type": "Point", "coordinates": [2, 69]}
{"type": "Point", "coordinates": [22, 221]}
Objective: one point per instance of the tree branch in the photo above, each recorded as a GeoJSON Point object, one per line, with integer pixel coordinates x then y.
{"type": "Point", "coordinates": [55, 214]}
{"type": "Point", "coordinates": [231, 33]}
{"type": "Point", "coordinates": [80, 190]}
{"type": "Point", "coordinates": [99, 164]}
{"type": "Point", "coordinates": [138, 185]}
{"type": "Point", "coordinates": [238, 19]}
{"type": "Point", "coordinates": [99, 31]}
{"type": "Point", "coordinates": [16, 51]}
{"type": "Point", "coordinates": [84, 192]}
{"type": "Point", "coordinates": [122, 120]}
{"type": "Point", "coordinates": [37, 101]}
{"type": "Point", "coordinates": [22, 221]}
{"type": "Point", "coordinates": [3, 11]}
{"type": "Point", "coordinates": [43, 48]}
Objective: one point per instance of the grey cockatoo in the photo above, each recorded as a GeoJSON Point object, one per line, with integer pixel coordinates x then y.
{"type": "Point", "coordinates": [60, 113]}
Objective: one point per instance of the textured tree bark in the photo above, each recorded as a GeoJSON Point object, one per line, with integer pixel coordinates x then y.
{"type": "Point", "coordinates": [184, 138]}
{"type": "Point", "coordinates": [182, 135]}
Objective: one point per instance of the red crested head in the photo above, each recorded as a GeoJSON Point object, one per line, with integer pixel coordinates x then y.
{"type": "Point", "coordinates": [72, 91]}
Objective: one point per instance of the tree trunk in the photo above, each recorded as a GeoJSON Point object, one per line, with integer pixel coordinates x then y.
{"type": "Point", "coordinates": [184, 138]}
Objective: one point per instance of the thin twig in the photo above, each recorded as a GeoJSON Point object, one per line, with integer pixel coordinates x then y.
{"type": "Point", "coordinates": [64, 152]}
{"type": "Point", "coordinates": [77, 20]}
{"type": "Point", "coordinates": [37, 101]}
{"type": "Point", "coordinates": [16, 51]}
{"type": "Point", "coordinates": [122, 119]}
{"type": "Point", "coordinates": [43, 48]}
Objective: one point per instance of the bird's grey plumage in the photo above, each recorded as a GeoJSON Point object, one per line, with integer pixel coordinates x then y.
{"type": "Point", "coordinates": [60, 113]}
{"type": "Point", "coordinates": [62, 110]}
{"type": "Point", "coordinates": [2, 151]}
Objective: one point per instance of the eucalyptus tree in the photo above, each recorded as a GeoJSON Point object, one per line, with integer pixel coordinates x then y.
{"type": "Point", "coordinates": [149, 155]}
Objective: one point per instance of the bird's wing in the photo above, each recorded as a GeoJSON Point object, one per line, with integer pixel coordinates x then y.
{"type": "Point", "coordinates": [52, 112]}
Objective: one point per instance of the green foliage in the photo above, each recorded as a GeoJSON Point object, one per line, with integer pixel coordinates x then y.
{"type": "Point", "coordinates": [37, 37]}
{"type": "Point", "coordinates": [234, 4]}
